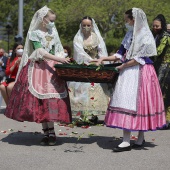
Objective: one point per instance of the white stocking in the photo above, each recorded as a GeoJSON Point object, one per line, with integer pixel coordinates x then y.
{"type": "Point", "coordinates": [140, 138]}
{"type": "Point", "coordinates": [126, 139]}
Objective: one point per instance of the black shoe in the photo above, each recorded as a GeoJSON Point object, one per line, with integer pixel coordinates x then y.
{"type": "Point", "coordinates": [44, 141]}
{"type": "Point", "coordinates": [52, 140]}
{"type": "Point", "coordinates": [137, 145]}
{"type": "Point", "coordinates": [165, 127]}
{"type": "Point", "coordinates": [122, 149]}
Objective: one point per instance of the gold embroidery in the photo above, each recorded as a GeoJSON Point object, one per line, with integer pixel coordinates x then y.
{"type": "Point", "coordinates": [48, 39]}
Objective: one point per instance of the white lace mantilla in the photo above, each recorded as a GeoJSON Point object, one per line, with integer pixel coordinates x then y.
{"type": "Point", "coordinates": [94, 42]}
{"type": "Point", "coordinates": [45, 38]}
{"type": "Point", "coordinates": [127, 40]}
{"type": "Point", "coordinates": [143, 43]}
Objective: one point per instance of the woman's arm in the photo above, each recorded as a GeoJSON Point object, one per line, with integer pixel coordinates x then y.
{"type": "Point", "coordinates": [55, 58]}
{"type": "Point", "coordinates": [130, 63]}
{"type": "Point", "coordinates": [109, 58]}
{"type": "Point", "coordinates": [42, 53]}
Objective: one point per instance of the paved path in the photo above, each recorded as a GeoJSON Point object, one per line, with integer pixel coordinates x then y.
{"type": "Point", "coordinates": [20, 149]}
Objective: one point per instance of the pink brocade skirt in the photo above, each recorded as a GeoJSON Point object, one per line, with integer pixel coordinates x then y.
{"type": "Point", "coordinates": [149, 113]}
{"type": "Point", "coordinates": [23, 106]}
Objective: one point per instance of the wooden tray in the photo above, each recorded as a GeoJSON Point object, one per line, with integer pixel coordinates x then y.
{"type": "Point", "coordinates": [82, 73]}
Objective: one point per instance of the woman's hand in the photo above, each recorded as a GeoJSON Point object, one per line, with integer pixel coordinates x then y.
{"type": "Point", "coordinates": [64, 60]}
{"type": "Point", "coordinates": [121, 67]}
{"type": "Point", "coordinates": [97, 61]}
{"type": "Point", "coordinates": [17, 62]}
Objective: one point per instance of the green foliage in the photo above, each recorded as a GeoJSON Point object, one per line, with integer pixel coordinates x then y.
{"type": "Point", "coordinates": [70, 12]}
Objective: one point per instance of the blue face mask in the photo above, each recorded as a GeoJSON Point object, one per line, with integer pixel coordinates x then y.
{"type": "Point", "coordinates": [129, 27]}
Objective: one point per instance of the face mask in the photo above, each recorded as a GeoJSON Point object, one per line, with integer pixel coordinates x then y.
{"type": "Point", "coordinates": [157, 31]}
{"type": "Point", "coordinates": [65, 54]}
{"type": "Point", "coordinates": [10, 54]}
{"type": "Point", "coordinates": [87, 29]}
{"type": "Point", "coordinates": [50, 25]}
{"type": "Point", "coordinates": [129, 27]}
{"type": "Point", "coordinates": [20, 52]}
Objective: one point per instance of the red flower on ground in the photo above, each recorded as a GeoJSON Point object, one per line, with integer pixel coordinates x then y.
{"type": "Point", "coordinates": [92, 84]}
{"type": "Point", "coordinates": [84, 127]}
{"type": "Point", "coordinates": [92, 98]}
{"type": "Point", "coordinates": [78, 114]}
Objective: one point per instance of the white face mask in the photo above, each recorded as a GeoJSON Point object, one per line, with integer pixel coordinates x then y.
{"type": "Point", "coordinates": [87, 29]}
{"type": "Point", "coordinates": [50, 25]}
{"type": "Point", "coordinates": [129, 27]}
{"type": "Point", "coordinates": [20, 52]}
{"type": "Point", "coordinates": [10, 54]}
{"type": "Point", "coordinates": [65, 54]}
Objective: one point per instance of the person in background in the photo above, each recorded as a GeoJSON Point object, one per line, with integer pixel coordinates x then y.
{"type": "Point", "coordinates": [168, 28]}
{"type": "Point", "coordinates": [10, 53]}
{"type": "Point", "coordinates": [11, 71]}
{"type": "Point", "coordinates": [67, 51]}
{"type": "Point", "coordinates": [162, 60]}
{"type": "Point", "coordinates": [3, 62]}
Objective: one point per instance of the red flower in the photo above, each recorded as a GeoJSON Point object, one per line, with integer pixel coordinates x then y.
{"type": "Point", "coordinates": [84, 127]}
{"type": "Point", "coordinates": [92, 98]}
{"type": "Point", "coordinates": [72, 60]}
{"type": "Point", "coordinates": [92, 84]}
{"type": "Point", "coordinates": [78, 114]}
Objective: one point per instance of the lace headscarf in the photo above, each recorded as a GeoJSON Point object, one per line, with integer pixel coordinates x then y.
{"type": "Point", "coordinates": [143, 43]}
{"type": "Point", "coordinates": [35, 25]}
{"type": "Point", "coordinates": [79, 54]}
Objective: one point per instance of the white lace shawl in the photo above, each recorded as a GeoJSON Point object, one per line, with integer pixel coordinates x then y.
{"type": "Point", "coordinates": [79, 54]}
{"type": "Point", "coordinates": [143, 43]}
{"type": "Point", "coordinates": [29, 52]}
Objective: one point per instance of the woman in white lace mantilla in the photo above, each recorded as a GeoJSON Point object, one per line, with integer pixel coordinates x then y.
{"type": "Point", "coordinates": [137, 102]}
{"type": "Point", "coordinates": [88, 98]}
{"type": "Point", "coordinates": [39, 95]}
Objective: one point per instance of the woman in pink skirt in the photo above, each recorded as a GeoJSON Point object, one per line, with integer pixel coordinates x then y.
{"type": "Point", "coordinates": [137, 102]}
{"type": "Point", "coordinates": [39, 95]}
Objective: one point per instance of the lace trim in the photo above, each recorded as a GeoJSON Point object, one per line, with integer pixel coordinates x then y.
{"type": "Point", "coordinates": [45, 38]}
{"type": "Point", "coordinates": [95, 42]}
{"type": "Point", "coordinates": [118, 56]}
{"type": "Point", "coordinates": [38, 95]}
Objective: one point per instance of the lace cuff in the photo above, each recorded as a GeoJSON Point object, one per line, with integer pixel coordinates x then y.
{"type": "Point", "coordinates": [139, 60]}
{"type": "Point", "coordinates": [118, 56]}
{"type": "Point", "coordinates": [38, 54]}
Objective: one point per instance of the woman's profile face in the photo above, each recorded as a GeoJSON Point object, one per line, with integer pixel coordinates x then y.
{"type": "Point", "coordinates": [156, 26]}
{"type": "Point", "coordinates": [49, 18]}
{"type": "Point", "coordinates": [86, 25]}
{"type": "Point", "coordinates": [128, 20]}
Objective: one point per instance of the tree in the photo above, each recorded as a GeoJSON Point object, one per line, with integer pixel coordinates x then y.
{"type": "Point", "coordinates": [70, 12]}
